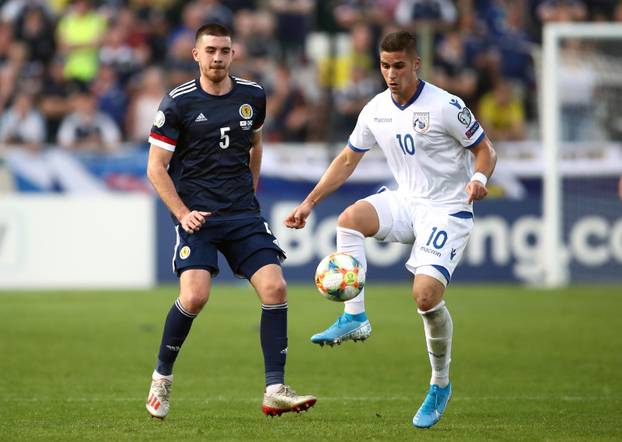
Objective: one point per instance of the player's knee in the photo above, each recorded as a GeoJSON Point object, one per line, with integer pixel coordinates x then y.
{"type": "Point", "coordinates": [346, 218]}
{"type": "Point", "coordinates": [426, 297]}
{"type": "Point", "coordinates": [194, 301]}
{"type": "Point", "coordinates": [351, 218]}
{"type": "Point", "coordinates": [274, 291]}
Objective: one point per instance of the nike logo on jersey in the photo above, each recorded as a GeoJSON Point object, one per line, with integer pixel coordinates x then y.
{"type": "Point", "coordinates": [454, 102]}
{"type": "Point", "coordinates": [452, 254]}
{"type": "Point", "coordinates": [200, 118]}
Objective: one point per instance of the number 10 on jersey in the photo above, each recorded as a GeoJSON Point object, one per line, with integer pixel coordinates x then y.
{"type": "Point", "coordinates": [407, 143]}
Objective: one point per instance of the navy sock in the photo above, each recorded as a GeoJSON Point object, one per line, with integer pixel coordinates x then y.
{"type": "Point", "coordinates": [176, 328]}
{"type": "Point", "coordinates": [273, 333]}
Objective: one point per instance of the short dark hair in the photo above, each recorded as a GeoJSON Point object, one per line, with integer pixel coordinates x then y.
{"type": "Point", "coordinates": [212, 29]}
{"type": "Point", "coordinates": [399, 41]}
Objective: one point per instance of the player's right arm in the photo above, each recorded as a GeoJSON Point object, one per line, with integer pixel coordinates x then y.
{"type": "Point", "coordinates": [157, 172]}
{"type": "Point", "coordinates": [336, 174]}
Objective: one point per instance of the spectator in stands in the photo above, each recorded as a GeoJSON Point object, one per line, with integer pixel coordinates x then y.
{"type": "Point", "coordinates": [13, 9]}
{"type": "Point", "coordinates": [577, 79]}
{"type": "Point", "coordinates": [350, 100]}
{"type": "Point", "coordinates": [287, 111]}
{"type": "Point", "coordinates": [216, 11]}
{"type": "Point", "coordinates": [6, 40]}
{"type": "Point", "coordinates": [150, 88]}
{"type": "Point", "coordinates": [501, 113]}
{"type": "Point", "coordinates": [253, 54]}
{"type": "Point", "coordinates": [179, 65]}
{"type": "Point", "coordinates": [22, 125]}
{"type": "Point", "coordinates": [514, 46]}
{"type": "Point", "coordinates": [337, 73]}
{"type": "Point", "coordinates": [117, 53]}
{"type": "Point", "coordinates": [151, 28]}
{"type": "Point", "coordinates": [111, 97]}
{"type": "Point", "coordinates": [54, 101]}
{"type": "Point", "coordinates": [561, 11]}
{"type": "Point", "coordinates": [255, 44]}
{"type": "Point", "coordinates": [137, 35]}
{"type": "Point", "coordinates": [14, 71]}
{"type": "Point", "coordinates": [192, 17]}
{"type": "Point", "coordinates": [377, 13]}
{"type": "Point", "coordinates": [35, 29]}
{"type": "Point", "coordinates": [86, 129]}
{"type": "Point", "coordinates": [80, 32]}
{"type": "Point", "coordinates": [473, 33]}
{"type": "Point", "coordinates": [293, 25]}
{"type": "Point", "coordinates": [451, 67]}
{"type": "Point", "coordinates": [439, 15]}
{"type": "Point", "coordinates": [22, 128]}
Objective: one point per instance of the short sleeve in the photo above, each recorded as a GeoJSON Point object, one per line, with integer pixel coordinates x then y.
{"type": "Point", "coordinates": [261, 112]}
{"type": "Point", "coordinates": [460, 122]}
{"type": "Point", "coordinates": [166, 125]}
{"type": "Point", "coordinates": [362, 139]}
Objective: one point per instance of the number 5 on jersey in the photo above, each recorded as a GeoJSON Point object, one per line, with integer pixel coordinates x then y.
{"type": "Point", "coordinates": [407, 143]}
{"type": "Point", "coordinates": [224, 138]}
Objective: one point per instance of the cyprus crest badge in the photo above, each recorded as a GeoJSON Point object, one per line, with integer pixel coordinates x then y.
{"type": "Point", "coordinates": [421, 122]}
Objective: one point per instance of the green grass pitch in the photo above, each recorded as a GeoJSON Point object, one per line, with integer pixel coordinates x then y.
{"type": "Point", "coordinates": [527, 365]}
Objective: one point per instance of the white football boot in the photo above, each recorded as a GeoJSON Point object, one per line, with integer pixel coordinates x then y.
{"type": "Point", "coordinates": [285, 400]}
{"type": "Point", "coordinates": [159, 393]}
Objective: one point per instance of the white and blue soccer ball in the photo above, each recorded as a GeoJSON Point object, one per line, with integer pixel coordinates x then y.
{"type": "Point", "coordinates": [339, 277]}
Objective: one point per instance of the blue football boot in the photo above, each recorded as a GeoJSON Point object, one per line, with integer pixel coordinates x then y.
{"type": "Point", "coordinates": [348, 327]}
{"type": "Point", "coordinates": [433, 406]}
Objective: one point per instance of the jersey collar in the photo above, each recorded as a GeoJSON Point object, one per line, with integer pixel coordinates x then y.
{"type": "Point", "coordinates": [413, 99]}
{"type": "Point", "coordinates": [234, 84]}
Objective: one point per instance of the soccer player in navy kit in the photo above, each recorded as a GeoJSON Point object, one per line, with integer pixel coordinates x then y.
{"type": "Point", "coordinates": [204, 163]}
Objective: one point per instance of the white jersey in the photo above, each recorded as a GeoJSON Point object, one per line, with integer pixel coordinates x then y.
{"type": "Point", "coordinates": [425, 142]}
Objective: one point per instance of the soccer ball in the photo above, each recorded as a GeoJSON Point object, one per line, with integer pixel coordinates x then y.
{"type": "Point", "coordinates": [339, 277]}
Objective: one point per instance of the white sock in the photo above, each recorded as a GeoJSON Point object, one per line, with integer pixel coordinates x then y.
{"type": "Point", "coordinates": [273, 388]}
{"type": "Point", "coordinates": [352, 242]}
{"type": "Point", "coordinates": [438, 333]}
{"type": "Point", "coordinates": [156, 376]}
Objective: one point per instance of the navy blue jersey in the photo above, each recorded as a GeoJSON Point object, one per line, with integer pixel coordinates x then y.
{"type": "Point", "coordinates": [210, 137]}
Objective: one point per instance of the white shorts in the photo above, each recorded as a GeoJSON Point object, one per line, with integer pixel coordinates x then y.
{"type": "Point", "coordinates": [439, 235]}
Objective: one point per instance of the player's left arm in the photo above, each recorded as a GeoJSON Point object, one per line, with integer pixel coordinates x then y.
{"type": "Point", "coordinates": [485, 161]}
{"type": "Point", "coordinates": [256, 153]}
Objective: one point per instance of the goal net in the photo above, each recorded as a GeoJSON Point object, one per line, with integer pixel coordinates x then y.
{"type": "Point", "coordinates": [581, 121]}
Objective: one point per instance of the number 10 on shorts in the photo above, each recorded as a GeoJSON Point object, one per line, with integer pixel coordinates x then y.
{"type": "Point", "coordinates": [437, 238]}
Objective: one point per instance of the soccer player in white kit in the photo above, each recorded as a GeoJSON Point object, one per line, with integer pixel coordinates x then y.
{"type": "Point", "coordinates": [441, 160]}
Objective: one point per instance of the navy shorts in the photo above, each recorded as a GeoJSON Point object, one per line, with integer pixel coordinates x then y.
{"type": "Point", "coordinates": [247, 244]}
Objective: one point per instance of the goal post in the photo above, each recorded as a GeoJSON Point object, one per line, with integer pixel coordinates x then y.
{"type": "Point", "coordinates": [555, 249]}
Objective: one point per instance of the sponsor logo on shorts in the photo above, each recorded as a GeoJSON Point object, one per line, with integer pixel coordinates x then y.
{"type": "Point", "coordinates": [452, 254]}
{"type": "Point", "coordinates": [432, 251]}
{"type": "Point", "coordinates": [184, 252]}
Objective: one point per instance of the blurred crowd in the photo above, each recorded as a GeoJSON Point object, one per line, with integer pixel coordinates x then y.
{"type": "Point", "coordinates": [88, 75]}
